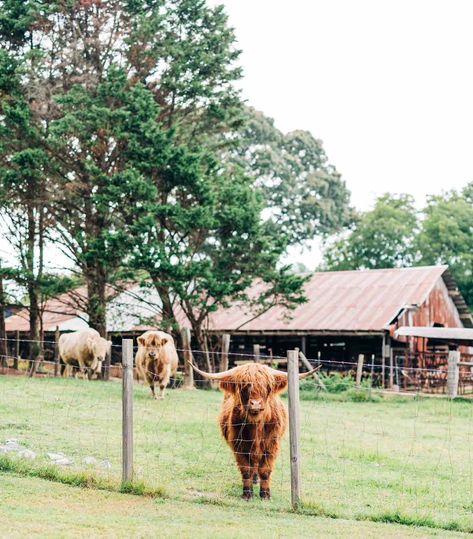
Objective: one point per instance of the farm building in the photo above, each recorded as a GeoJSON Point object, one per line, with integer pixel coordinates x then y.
{"type": "Point", "coordinates": [347, 313]}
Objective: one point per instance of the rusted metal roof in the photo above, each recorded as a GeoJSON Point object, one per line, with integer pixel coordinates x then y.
{"type": "Point", "coordinates": [341, 301]}
{"type": "Point", "coordinates": [440, 334]}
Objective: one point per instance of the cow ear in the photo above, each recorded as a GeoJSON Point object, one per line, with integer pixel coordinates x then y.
{"type": "Point", "coordinates": [164, 340]}
{"type": "Point", "coordinates": [141, 340]}
{"type": "Point", "coordinates": [280, 383]}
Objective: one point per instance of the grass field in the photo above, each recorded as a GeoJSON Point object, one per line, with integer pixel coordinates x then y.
{"type": "Point", "coordinates": [406, 462]}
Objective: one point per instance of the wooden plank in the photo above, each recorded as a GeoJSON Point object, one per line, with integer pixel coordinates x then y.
{"type": "Point", "coordinates": [453, 374]}
{"type": "Point", "coordinates": [359, 369]}
{"type": "Point", "coordinates": [127, 411]}
{"type": "Point", "coordinates": [225, 350]}
{"type": "Point", "coordinates": [465, 363]}
{"type": "Point", "coordinates": [257, 353]}
{"type": "Point", "coordinates": [308, 366]}
{"type": "Point", "coordinates": [294, 426]}
{"type": "Point", "coordinates": [188, 370]}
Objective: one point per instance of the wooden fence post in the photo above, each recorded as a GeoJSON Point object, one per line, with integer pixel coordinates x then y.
{"type": "Point", "coordinates": [453, 373]}
{"type": "Point", "coordinates": [308, 366]}
{"type": "Point", "coordinates": [57, 359]}
{"type": "Point", "coordinates": [107, 363]}
{"type": "Point", "coordinates": [294, 426]}
{"type": "Point", "coordinates": [127, 411]}
{"type": "Point", "coordinates": [256, 353]}
{"type": "Point", "coordinates": [188, 370]}
{"type": "Point", "coordinates": [16, 357]}
{"type": "Point", "coordinates": [225, 349]}
{"type": "Point", "coordinates": [359, 370]}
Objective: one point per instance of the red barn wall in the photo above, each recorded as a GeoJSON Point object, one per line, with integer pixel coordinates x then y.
{"type": "Point", "coordinates": [438, 308]}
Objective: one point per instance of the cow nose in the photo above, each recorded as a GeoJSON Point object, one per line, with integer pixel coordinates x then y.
{"type": "Point", "coordinates": [152, 355]}
{"type": "Point", "coordinates": [255, 403]}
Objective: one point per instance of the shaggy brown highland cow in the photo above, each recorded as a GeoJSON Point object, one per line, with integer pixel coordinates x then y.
{"type": "Point", "coordinates": [253, 420]}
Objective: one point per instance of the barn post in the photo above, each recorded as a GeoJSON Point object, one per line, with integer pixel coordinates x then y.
{"type": "Point", "coordinates": [225, 349]}
{"type": "Point", "coordinates": [359, 369]}
{"type": "Point", "coordinates": [188, 370]}
{"type": "Point", "coordinates": [127, 411]}
{"type": "Point", "coordinates": [294, 426]}
{"type": "Point", "coordinates": [57, 360]}
{"type": "Point", "coordinates": [16, 358]}
{"type": "Point", "coordinates": [256, 353]}
{"type": "Point", "coordinates": [453, 373]}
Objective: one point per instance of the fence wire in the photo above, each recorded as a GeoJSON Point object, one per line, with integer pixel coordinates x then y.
{"type": "Point", "coordinates": [362, 454]}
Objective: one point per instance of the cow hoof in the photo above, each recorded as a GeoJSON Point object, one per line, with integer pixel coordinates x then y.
{"type": "Point", "coordinates": [247, 494]}
{"type": "Point", "coordinates": [265, 494]}
{"type": "Point", "coordinates": [255, 479]}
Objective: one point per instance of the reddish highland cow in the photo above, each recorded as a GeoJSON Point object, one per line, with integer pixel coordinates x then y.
{"type": "Point", "coordinates": [253, 420]}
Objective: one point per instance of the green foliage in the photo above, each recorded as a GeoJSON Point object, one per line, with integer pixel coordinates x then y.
{"type": "Point", "coordinates": [393, 235]}
{"type": "Point", "coordinates": [446, 236]}
{"type": "Point", "coordinates": [304, 195]}
{"type": "Point", "coordinates": [338, 387]}
{"type": "Point", "coordinates": [381, 238]}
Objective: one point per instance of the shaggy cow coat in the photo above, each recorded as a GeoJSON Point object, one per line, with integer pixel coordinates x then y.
{"type": "Point", "coordinates": [252, 421]}
{"type": "Point", "coordinates": [156, 360]}
{"type": "Point", "coordinates": [85, 349]}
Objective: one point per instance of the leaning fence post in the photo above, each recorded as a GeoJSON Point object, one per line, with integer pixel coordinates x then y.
{"type": "Point", "coordinates": [188, 370]}
{"type": "Point", "coordinates": [127, 411]}
{"type": "Point", "coordinates": [294, 426]}
{"type": "Point", "coordinates": [359, 369]}
{"type": "Point", "coordinates": [453, 373]}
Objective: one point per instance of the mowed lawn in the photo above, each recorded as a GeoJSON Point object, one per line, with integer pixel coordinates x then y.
{"type": "Point", "coordinates": [405, 461]}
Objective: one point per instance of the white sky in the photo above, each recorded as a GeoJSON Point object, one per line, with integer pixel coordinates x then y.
{"type": "Point", "coordinates": [387, 85]}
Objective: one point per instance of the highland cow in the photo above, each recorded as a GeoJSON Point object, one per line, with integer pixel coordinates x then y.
{"type": "Point", "coordinates": [156, 360]}
{"type": "Point", "coordinates": [85, 350]}
{"type": "Point", "coordinates": [253, 420]}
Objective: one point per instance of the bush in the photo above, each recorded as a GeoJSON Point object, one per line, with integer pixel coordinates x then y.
{"type": "Point", "coordinates": [338, 387]}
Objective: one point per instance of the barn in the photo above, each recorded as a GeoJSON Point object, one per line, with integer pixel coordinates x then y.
{"type": "Point", "coordinates": [347, 313]}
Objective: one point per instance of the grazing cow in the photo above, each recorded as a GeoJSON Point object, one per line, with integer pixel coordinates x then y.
{"type": "Point", "coordinates": [156, 360]}
{"type": "Point", "coordinates": [84, 348]}
{"type": "Point", "coordinates": [253, 420]}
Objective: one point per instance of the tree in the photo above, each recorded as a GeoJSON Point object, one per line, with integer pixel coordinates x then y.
{"type": "Point", "coordinates": [381, 238]}
{"type": "Point", "coordinates": [180, 50]}
{"type": "Point", "coordinates": [446, 236]}
{"type": "Point", "coordinates": [304, 194]}
{"type": "Point", "coordinates": [23, 189]}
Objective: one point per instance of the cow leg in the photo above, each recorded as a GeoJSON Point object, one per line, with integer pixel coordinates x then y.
{"type": "Point", "coordinates": [246, 470]}
{"type": "Point", "coordinates": [162, 389]}
{"type": "Point", "coordinates": [265, 469]}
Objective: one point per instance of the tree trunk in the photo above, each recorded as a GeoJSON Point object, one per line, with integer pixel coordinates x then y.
{"type": "Point", "coordinates": [97, 300]}
{"type": "Point", "coordinates": [34, 312]}
{"type": "Point", "coordinates": [3, 334]}
{"type": "Point", "coordinates": [34, 336]}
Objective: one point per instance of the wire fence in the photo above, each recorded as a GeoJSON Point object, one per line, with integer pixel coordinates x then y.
{"type": "Point", "coordinates": [363, 455]}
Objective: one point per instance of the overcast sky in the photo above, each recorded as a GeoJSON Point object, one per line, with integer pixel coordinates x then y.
{"type": "Point", "coordinates": [387, 85]}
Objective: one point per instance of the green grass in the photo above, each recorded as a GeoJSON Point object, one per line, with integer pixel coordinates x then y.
{"type": "Point", "coordinates": [398, 461]}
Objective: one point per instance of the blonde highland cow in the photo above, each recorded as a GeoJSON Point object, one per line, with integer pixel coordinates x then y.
{"type": "Point", "coordinates": [156, 360]}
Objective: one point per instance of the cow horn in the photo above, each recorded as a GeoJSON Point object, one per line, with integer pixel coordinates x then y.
{"type": "Point", "coordinates": [302, 375]}
{"type": "Point", "coordinates": [210, 375]}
